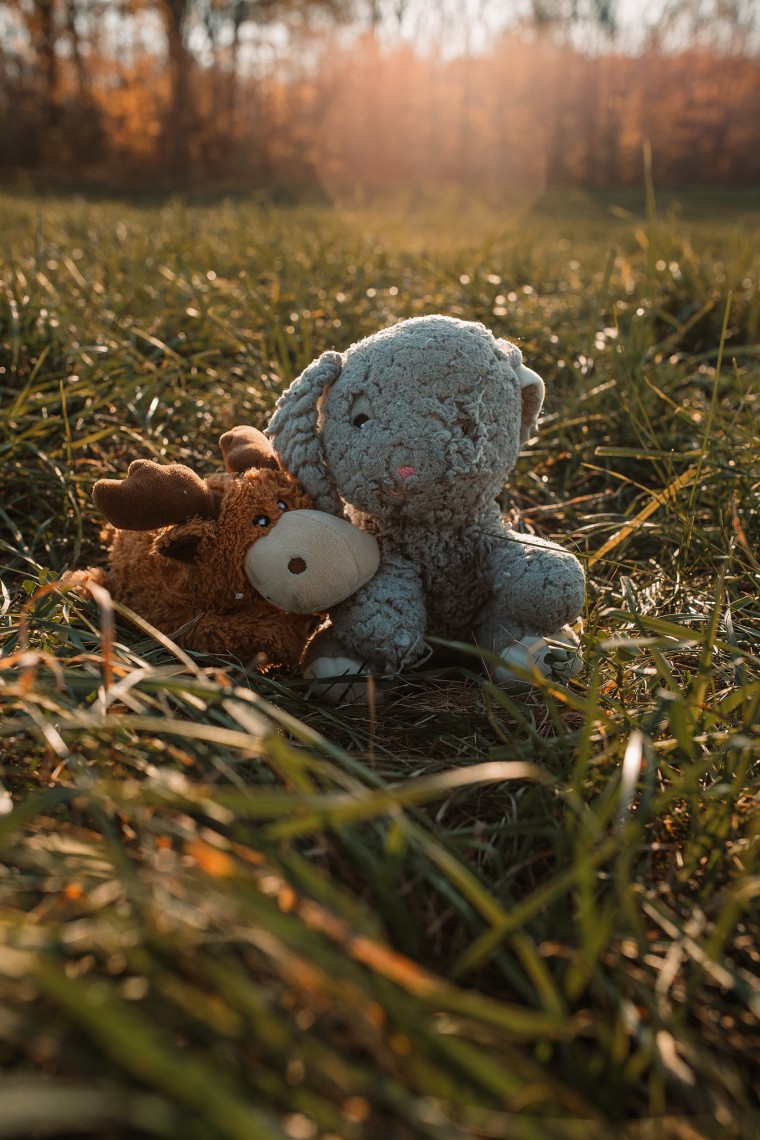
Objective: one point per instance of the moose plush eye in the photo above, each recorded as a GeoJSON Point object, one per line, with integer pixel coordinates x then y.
{"type": "Point", "coordinates": [360, 420]}
{"type": "Point", "coordinates": [283, 506]}
{"type": "Point", "coordinates": [262, 520]}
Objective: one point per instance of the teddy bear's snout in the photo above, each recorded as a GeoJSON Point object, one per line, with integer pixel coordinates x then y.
{"type": "Point", "coordinates": [409, 465]}
{"type": "Point", "coordinates": [399, 476]}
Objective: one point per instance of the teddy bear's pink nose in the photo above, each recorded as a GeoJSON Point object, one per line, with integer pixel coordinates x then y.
{"type": "Point", "coordinates": [405, 472]}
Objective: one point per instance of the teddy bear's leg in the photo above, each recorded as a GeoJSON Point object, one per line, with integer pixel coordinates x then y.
{"type": "Point", "coordinates": [338, 679]}
{"type": "Point", "coordinates": [379, 630]}
{"type": "Point", "coordinates": [556, 655]}
{"type": "Point", "coordinates": [538, 590]}
{"type": "Point", "coordinates": [538, 584]}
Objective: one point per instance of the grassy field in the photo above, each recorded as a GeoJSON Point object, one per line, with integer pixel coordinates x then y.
{"type": "Point", "coordinates": [228, 911]}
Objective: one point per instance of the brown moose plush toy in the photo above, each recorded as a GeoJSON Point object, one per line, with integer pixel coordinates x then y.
{"type": "Point", "coordinates": [235, 563]}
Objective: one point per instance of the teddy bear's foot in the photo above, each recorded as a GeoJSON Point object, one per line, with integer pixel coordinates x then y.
{"type": "Point", "coordinates": [340, 680]}
{"type": "Point", "coordinates": [557, 656]}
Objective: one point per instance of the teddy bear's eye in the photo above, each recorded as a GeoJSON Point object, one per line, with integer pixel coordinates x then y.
{"type": "Point", "coordinates": [466, 425]}
{"type": "Point", "coordinates": [262, 520]}
{"type": "Point", "coordinates": [360, 411]}
{"type": "Point", "coordinates": [282, 505]}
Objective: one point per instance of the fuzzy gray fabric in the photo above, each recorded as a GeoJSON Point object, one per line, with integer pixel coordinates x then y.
{"type": "Point", "coordinates": [412, 433]}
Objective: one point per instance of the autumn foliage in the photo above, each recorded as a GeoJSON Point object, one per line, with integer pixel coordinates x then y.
{"type": "Point", "coordinates": [339, 108]}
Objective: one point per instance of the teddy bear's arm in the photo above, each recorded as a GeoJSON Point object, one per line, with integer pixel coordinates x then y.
{"type": "Point", "coordinates": [381, 627]}
{"type": "Point", "coordinates": [536, 585]}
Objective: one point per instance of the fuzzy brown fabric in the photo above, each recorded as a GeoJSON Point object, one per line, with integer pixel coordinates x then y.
{"type": "Point", "coordinates": [153, 495]}
{"type": "Point", "coordinates": [189, 580]}
{"type": "Point", "coordinates": [244, 447]}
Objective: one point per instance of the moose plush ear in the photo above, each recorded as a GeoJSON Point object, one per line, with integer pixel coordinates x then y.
{"type": "Point", "coordinates": [294, 428]}
{"type": "Point", "coordinates": [182, 542]}
{"type": "Point", "coordinates": [181, 549]}
{"type": "Point", "coordinates": [532, 391]}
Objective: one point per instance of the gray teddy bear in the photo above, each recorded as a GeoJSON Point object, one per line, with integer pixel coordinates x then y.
{"type": "Point", "coordinates": [411, 434]}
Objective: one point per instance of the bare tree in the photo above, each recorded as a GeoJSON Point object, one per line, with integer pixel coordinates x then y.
{"type": "Point", "coordinates": [565, 12]}
{"type": "Point", "coordinates": [180, 119]}
{"type": "Point", "coordinates": [221, 20]}
{"type": "Point", "coordinates": [40, 19]}
{"type": "Point", "coordinates": [729, 25]}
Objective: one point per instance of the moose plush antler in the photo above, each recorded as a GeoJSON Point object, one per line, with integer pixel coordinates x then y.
{"type": "Point", "coordinates": [216, 562]}
{"type": "Point", "coordinates": [156, 495]}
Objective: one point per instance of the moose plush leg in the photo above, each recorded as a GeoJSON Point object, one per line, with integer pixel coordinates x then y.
{"type": "Point", "coordinates": [380, 629]}
{"type": "Point", "coordinates": [256, 632]}
{"type": "Point", "coordinates": [538, 589]}
{"type": "Point", "coordinates": [80, 579]}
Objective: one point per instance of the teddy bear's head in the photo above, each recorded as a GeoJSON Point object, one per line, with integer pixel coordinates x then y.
{"type": "Point", "coordinates": [426, 416]}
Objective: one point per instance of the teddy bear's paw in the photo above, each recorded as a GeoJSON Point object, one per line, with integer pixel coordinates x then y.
{"type": "Point", "coordinates": [340, 680]}
{"type": "Point", "coordinates": [557, 657]}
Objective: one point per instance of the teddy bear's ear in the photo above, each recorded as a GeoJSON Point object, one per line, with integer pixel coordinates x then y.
{"type": "Point", "coordinates": [532, 391]}
{"type": "Point", "coordinates": [294, 427]}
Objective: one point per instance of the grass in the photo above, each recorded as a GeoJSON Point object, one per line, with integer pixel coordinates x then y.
{"type": "Point", "coordinates": [228, 911]}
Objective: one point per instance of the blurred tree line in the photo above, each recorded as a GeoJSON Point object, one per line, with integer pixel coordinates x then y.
{"type": "Point", "coordinates": [378, 92]}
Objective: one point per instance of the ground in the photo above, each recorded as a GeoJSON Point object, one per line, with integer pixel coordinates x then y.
{"type": "Point", "coordinates": [228, 910]}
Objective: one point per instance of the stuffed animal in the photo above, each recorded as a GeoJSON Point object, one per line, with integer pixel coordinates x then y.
{"type": "Point", "coordinates": [214, 563]}
{"type": "Point", "coordinates": [412, 433]}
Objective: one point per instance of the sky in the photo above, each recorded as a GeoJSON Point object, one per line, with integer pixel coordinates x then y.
{"type": "Point", "coordinates": [459, 26]}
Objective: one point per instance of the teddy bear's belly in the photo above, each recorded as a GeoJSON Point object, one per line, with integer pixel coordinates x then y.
{"type": "Point", "coordinates": [455, 586]}
{"type": "Point", "coordinates": [452, 617]}
{"type": "Point", "coordinates": [454, 602]}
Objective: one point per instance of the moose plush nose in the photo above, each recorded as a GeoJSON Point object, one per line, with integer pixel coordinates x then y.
{"type": "Point", "coordinates": [405, 472]}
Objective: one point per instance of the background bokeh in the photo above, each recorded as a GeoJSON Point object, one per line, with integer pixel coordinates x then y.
{"type": "Point", "coordinates": [343, 96]}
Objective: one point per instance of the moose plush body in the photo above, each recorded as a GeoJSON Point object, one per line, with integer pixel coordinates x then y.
{"type": "Point", "coordinates": [216, 562]}
{"type": "Point", "coordinates": [411, 434]}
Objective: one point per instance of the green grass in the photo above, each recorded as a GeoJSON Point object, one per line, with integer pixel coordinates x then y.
{"type": "Point", "coordinates": [228, 911]}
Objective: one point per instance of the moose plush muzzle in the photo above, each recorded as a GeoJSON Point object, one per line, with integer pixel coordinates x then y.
{"type": "Point", "coordinates": [311, 561]}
